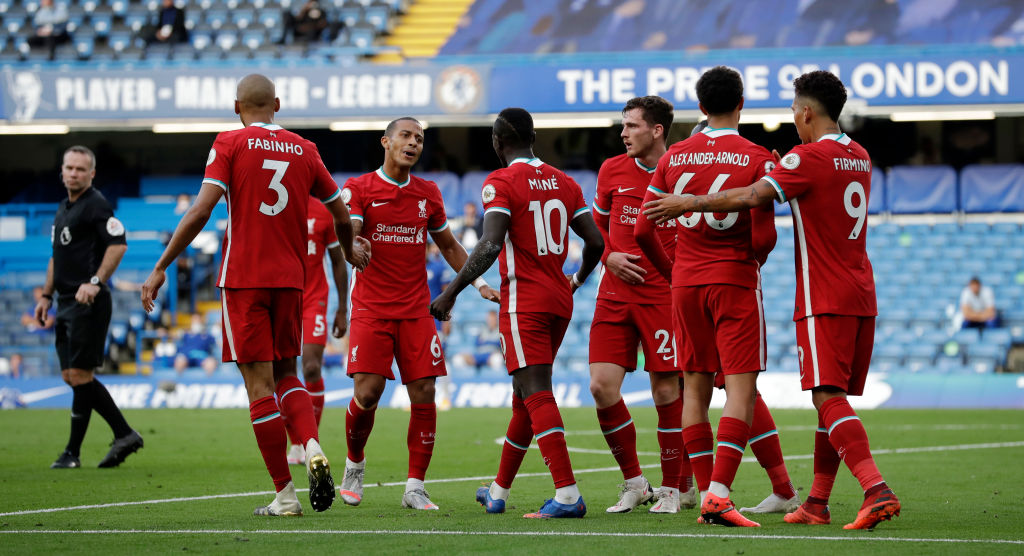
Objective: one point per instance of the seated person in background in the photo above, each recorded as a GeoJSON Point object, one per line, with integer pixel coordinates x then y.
{"type": "Point", "coordinates": [28, 319]}
{"type": "Point", "coordinates": [978, 306]}
{"type": "Point", "coordinates": [196, 348]}
{"type": "Point", "coordinates": [471, 226]}
{"type": "Point", "coordinates": [488, 347]}
{"type": "Point", "coordinates": [164, 350]}
{"type": "Point", "coordinates": [49, 26]}
{"type": "Point", "coordinates": [11, 367]}
{"type": "Point", "coordinates": [310, 22]}
{"type": "Point", "coordinates": [181, 203]}
{"type": "Point", "coordinates": [168, 26]}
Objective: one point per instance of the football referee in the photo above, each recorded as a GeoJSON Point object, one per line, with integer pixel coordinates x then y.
{"type": "Point", "coordinates": [88, 243]}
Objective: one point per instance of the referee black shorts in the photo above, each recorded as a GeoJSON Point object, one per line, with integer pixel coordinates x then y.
{"type": "Point", "coordinates": [82, 331]}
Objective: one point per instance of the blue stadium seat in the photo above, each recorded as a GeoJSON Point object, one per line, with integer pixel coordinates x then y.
{"type": "Point", "coordinates": [472, 184]}
{"type": "Point", "coordinates": [992, 188]}
{"type": "Point", "coordinates": [877, 204]}
{"type": "Point", "coordinates": [921, 189]}
{"type": "Point", "coordinates": [587, 179]}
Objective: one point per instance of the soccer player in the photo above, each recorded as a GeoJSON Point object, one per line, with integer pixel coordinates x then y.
{"type": "Point", "coordinates": [394, 210]}
{"type": "Point", "coordinates": [716, 297]}
{"type": "Point", "coordinates": [320, 238]}
{"type": "Point", "coordinates": [632, 303]}
{"type": "Point", "coordinates": [827, 182]}
{"type": "Point", "coordinates": [266, 173]}
{"type": "Point", "coordinates": [530, 207]}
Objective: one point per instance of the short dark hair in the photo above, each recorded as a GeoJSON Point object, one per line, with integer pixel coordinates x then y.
{"type": "Point", "coordinates": [824, 88]}
{"type": "Point", "coordinates": [655, 109]}
{"type": "Point", "coordinates": [974, 280]}
{"type": "Point", "coordinates": [720, 90]}
{"type": "Point", "coordinates": [391, 126]}
{"type": "Point", "coordinates": [514, 127]}
{"type": "Point", "coordinates": [81, 149]}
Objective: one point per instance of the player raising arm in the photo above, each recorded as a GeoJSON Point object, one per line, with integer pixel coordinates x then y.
{"type": "Point", "coordinates": [529, 208]}
{"type": "Point", "coordinates": [259, 169]}
{"type": "Point", "coordinates": [827, 181]}
{"type": "Point", "coordinates": [393, 210]}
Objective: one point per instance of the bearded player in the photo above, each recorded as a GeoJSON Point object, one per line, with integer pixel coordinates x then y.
{"type": "Point", "coordinates": [394, 210]}
{"type": "Point", "coordinates": [827, 182]}
{"type": "Point", "coordinates": [530, 207]}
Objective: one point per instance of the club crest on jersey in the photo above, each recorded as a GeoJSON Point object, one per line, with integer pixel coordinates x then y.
{"type": "Point", "coordinates": [423, 208]}
{"type": "Point", "coordinates": [769, 166]}
{"type": "Point", "coordinates": [790, 161]}
{"type": "Point", "coordinates": [65, 236]}
{"type": "Point", "coordinates": [115, 227]}
{"type": "Point", "coordinates": [488, 193]}
{"type": "Point", "coordinates": [352, 358]}
{"type": "Point", "coordinates": [212, 157]}
{"type": "Point", "coordinates": [346, 195]}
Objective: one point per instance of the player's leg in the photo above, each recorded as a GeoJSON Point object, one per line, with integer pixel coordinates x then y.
{"type": "Point", "coordinates": [697, 356]}
{"type": "Point", "coordinates": [517, 441]}
{"type": "Point", "coordinates": [764, 442]}
{"type": "Point", "coordinates": [81, 401]}
{"type": "Point", "coordinates": [371, 352]}
{"type": "Point", "coordinates": [676, 472]}
{"type": "Point", "coordinates": [697, 434]}
{"type": "Point", "coordinates": [270, 436]}
{"type": "Point", "coordinates": [314, 338]}
{"type": "Point", "coordinates": [733, 432]}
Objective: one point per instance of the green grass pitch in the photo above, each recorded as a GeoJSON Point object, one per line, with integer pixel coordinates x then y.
{"type": "Point", "coordinates": [957, 472]}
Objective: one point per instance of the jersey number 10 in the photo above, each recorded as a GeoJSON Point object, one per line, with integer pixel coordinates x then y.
{"type": "Point", "coordinates": [544, 227]}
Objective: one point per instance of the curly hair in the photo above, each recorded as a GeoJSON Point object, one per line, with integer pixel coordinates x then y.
{"type": "Point", "coordinates": [514, 126]}
{"type": "Point", "coordinates": [824, 88]}
{"type": "Point", "coordinates": [720, 90]}
{"type": "Point", "coordinates": [655, 110]}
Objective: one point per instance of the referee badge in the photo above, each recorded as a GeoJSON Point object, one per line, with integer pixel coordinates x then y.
{"type": "Point", "coordinates": [115, 227]}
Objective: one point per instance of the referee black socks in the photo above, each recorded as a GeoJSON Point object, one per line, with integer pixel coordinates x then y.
{"type": "Point", "coordinates": [105, 406]}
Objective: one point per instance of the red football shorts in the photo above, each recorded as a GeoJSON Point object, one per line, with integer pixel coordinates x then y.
{"type": "Point", "coordinates": [530, 338]}
{"type": "Point", "coordinates": [618, 329]}
{"type": "Point", "coordinates": [719, 327]}
{"type": "Point", "coordinates": [374, 343]}
{"type": "Point", "coordinates": [314, 321]}
{"type": "Point", "coordinates": [835, 351]}
{"type": "Point", "coordinates": [261, 324]}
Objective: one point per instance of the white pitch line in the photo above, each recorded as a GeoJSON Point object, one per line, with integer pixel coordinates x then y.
{"type": "Point", "coordinates": [922, 449]}
{"type": "Point", "coordinates": [457, 533]}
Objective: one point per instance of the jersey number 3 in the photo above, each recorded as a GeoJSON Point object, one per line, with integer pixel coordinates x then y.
{"type": "Point", "coordinates": [279, 167]}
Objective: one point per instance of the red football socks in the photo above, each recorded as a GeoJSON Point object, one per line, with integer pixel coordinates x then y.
{"type": "Point", "coordinates": [293, 399]}
{"type": "Point", "coordinates": [670, 439]}
{"type": "Point", "coordinates": [700, 443]}
{"type": "Point", "coordinates": [517, 441]}
{"type": "Point", "coordinates": [420, 439]}
{"type": "Point", "coordinates": [826, 464]}
{"type": "Point", "coordinates": [270, 437]}
{"type": "Point", "coordinates": [764, 442]}
{"type": "Point", "coordinates": [848, 437]}
{"type": "Point", "coordinates": [316, 393]}
{"type": "Point", "coordinates": [358, 425]}
{"type": "Point", "coordinates": [620, 434]}
{"type": "Point", "coordinates": [550, 434]}
{"type": "Point", "coordinates": [732, 441]}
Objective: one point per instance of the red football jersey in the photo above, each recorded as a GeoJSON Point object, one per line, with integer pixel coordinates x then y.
{"type": "Point", "coordinates": [320, 237]}
{"type": "Point", "coordinates": [828, 184]}
{"type": "Point", "coordinates": [396, 218]}
{"type": "Point", "coordinates": [267, 173]}
{"type": "Point", "coordinates": [621, 185]}
{"type": "Point", "coordinates": [713, 248]}
{"type": "Point", "coordinates": [541, 201]}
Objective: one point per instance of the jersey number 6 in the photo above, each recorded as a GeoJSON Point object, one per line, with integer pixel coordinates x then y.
{"type": "Point", "coordinates": [279, 167]}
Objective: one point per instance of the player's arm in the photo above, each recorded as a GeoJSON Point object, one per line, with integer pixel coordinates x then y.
{"type": "Point", "coordinates": [593, 247]}
{"type": "Point", "coordinates": [340, 271]}
{"type": "Point", "coordinates": [762, 232]}
{"type": "Point", "coordinates": [111, 258]}
{"type": "Point", "coordinates": [483, 256]}
{"type": "Point", "coordinates": [455, 254]}
{"type": "Point", "coordinates": [646, 235]}
{"type": "Point", "coordinates": [191, 224]}
{"type": "Point", "coordinates": [666, 206]}
{"type": "Point", "coordinates": [44, 304]}
{"type": "Point", "coordinates": [356, 249]}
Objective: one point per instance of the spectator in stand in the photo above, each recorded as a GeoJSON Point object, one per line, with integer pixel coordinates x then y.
{"type": "Point", "coordinates": [28, 319]}
{"type": "Point", "coordinates": [181, 203]}
{"type": "Point", "coordinates": [164, 350]}
{"type": "Point", "coordinates": [978, 306]}
{"type": "Point", "coordinates": [11, 367]}
{"type": "Point", "coordinates": [471, 226]}
{"type": "Point", "coordinates": [196, 348]}
{"type": "Point", "coordinates": [49, 26]}
{"type": "Point", "coordinates": [168, 26]}
{"type": "Point", "coordinates": [488, 347]}
{"type": "Point", "coordinates": [310, 23]}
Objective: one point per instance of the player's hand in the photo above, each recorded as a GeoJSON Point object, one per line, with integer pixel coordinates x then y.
{"type": "Point", "coordinates": [86, 294]}
{"type": "Point", "coordinates": [572, 283]}
{"type": "Point", "coordinates": [441, 307]}
{"type": "Point", "coordinates": [490, 294]}
{"type": "Point", "coordinates": [360, 256]}
{"type": "Point", "coordinates": [623, 267]}
{"type": "Point", "coordinates": [668, 207]}
{"type": "Point", "coordinates": [340, 322]}
{"type": "Point", "coordinates": [42, 309]}
{"type": "Point", "coordinates": [776, 156]}
{"type": "Point", "coordinates": [150, 288]}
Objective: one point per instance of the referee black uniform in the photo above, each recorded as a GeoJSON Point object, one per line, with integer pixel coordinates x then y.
{"type": "Point", "coordinates": [84, 229]}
